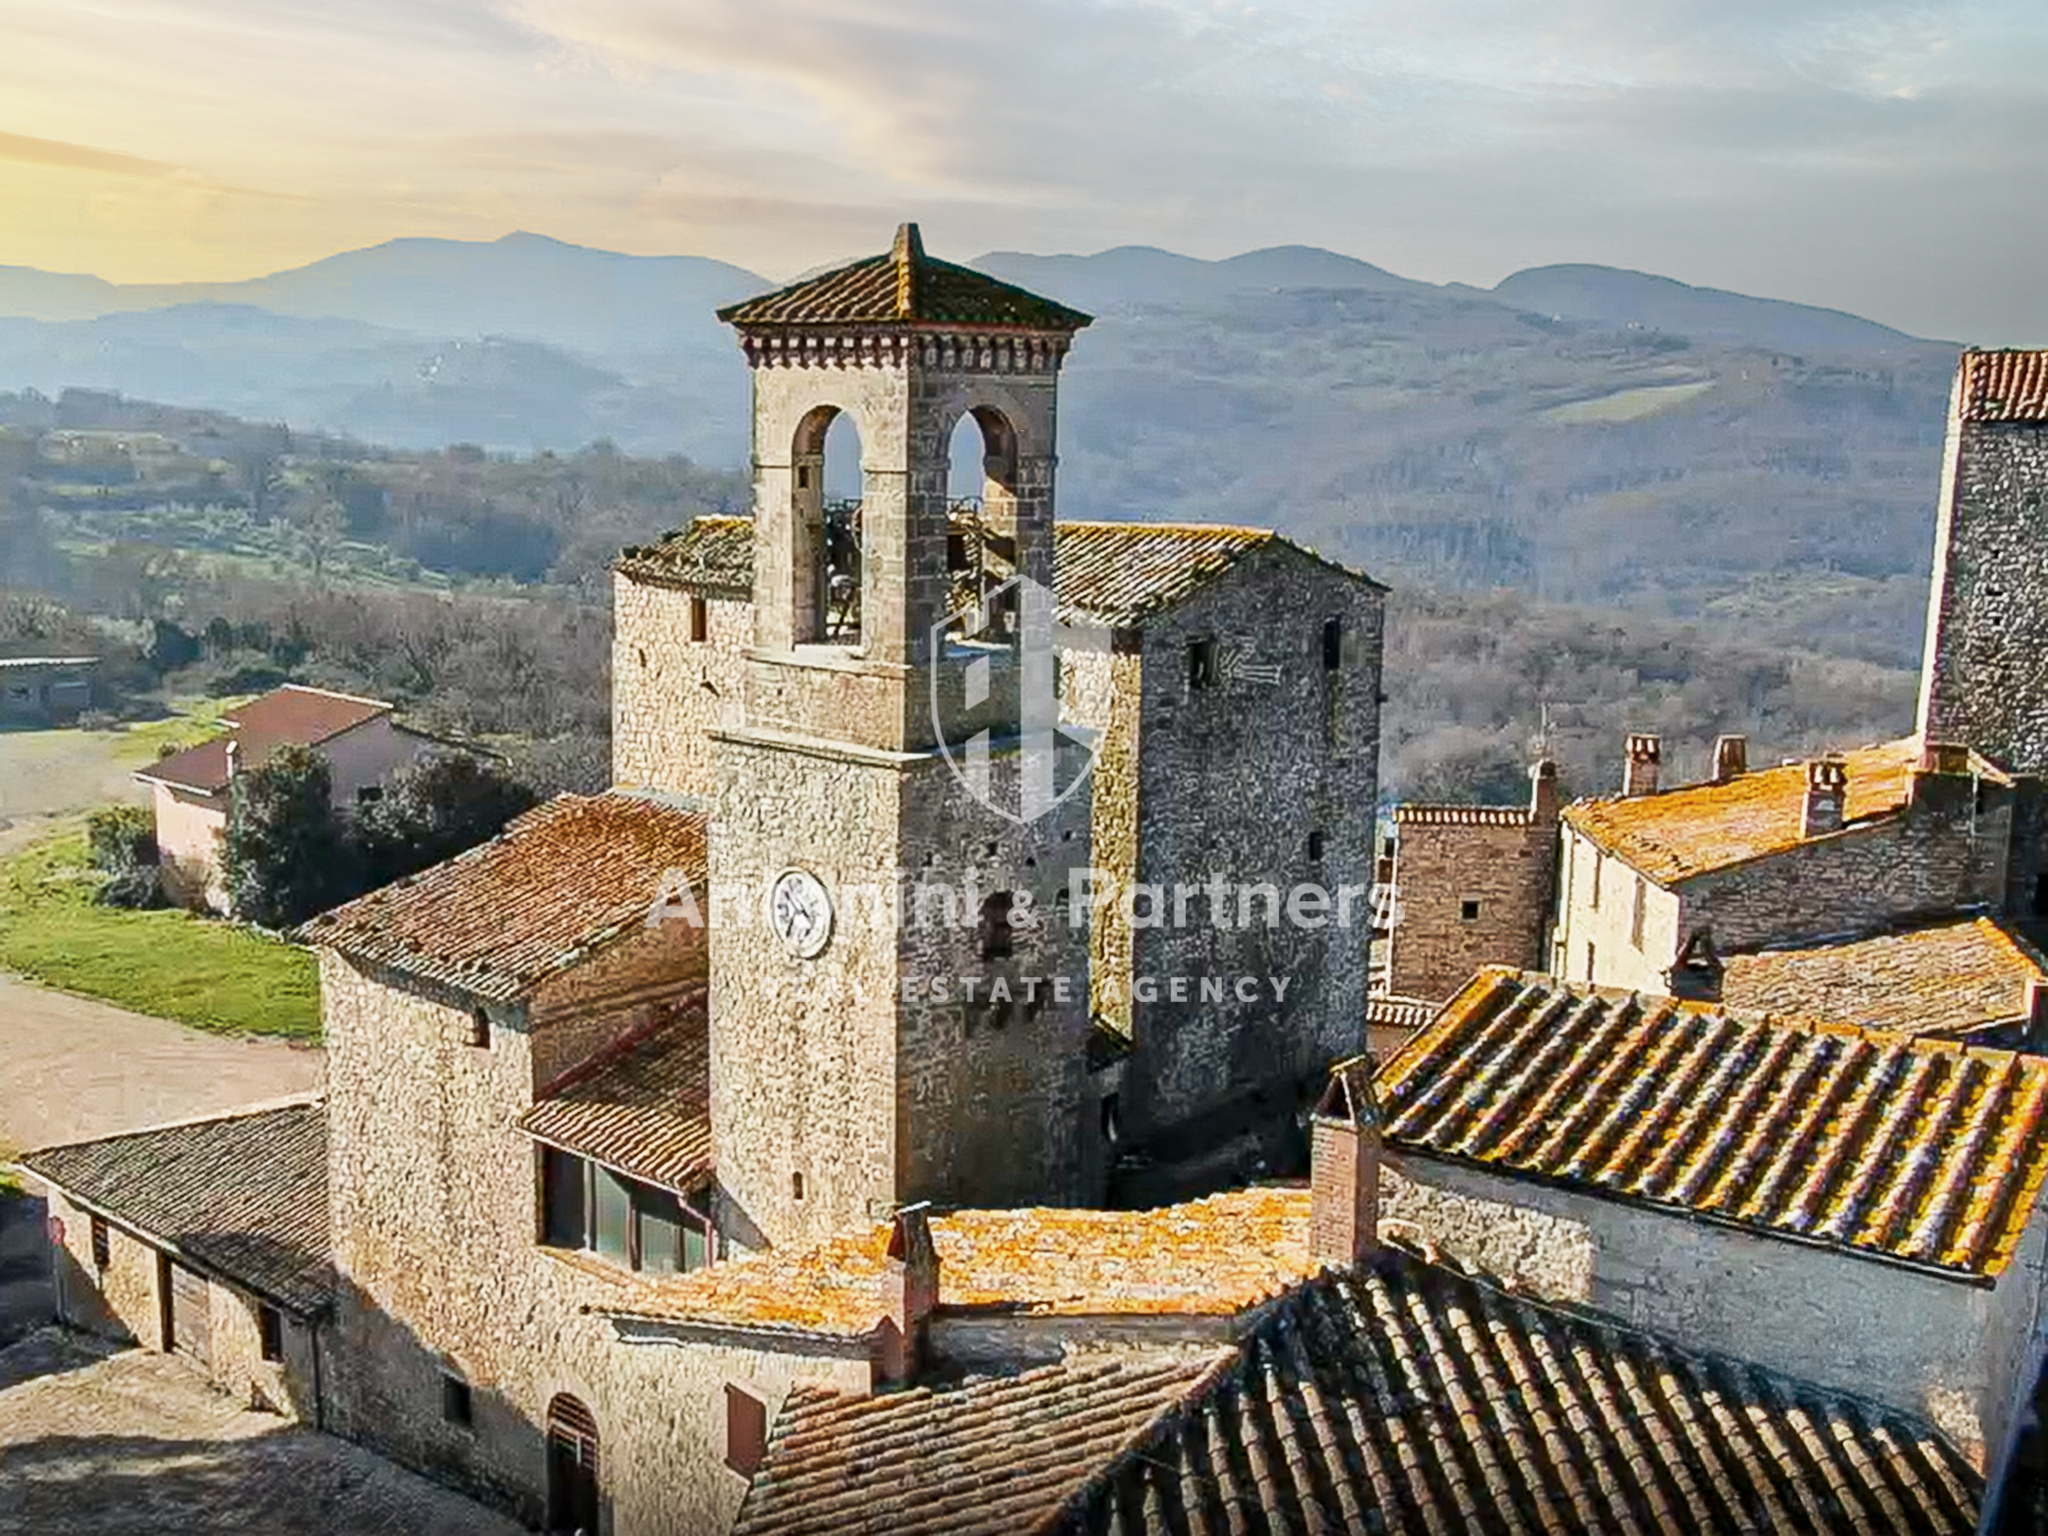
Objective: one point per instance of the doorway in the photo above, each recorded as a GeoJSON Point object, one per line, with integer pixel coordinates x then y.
{"type": "Point", "coordinates": [572, 1467]}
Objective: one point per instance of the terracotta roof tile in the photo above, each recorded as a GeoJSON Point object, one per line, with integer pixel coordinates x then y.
{"type": "Point", "coordinates": [241, 1195]}
{"type": "Point", "coordinates": [560, 882]}
{"type": "Point", "coordinates": [1208, 1258]}
{"type": "Point", "coordinates": [293, 716]}
{"type": "Point", "coordinates": [904, 287]}
{"type": "Point", "coordinates": [1945, 978]}
{"type": "Point", "coordinates": [1692, 830]}
{"type": "Point", "coordinates": [644, 1109]}
{"type": "Point", "coordinates": [1872, 1142]}
{"type": "Point", "coordinates": [2004, 386]}
{"type": "Point", "coordinates": [1400, 1396]}
{"type": "Point", "coordinates": [1115, 574]}
{"type": "Point", "coordinates": [1461, 815]}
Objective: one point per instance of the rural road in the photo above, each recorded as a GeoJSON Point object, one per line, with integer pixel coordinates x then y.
{"type": "Point", "coordinates": [73, 1069]}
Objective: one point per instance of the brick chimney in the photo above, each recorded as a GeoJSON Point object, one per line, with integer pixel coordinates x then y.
{"type": "Point", "coordinates": [1639, 773]}
{"type": "Point", "coordinates": [1344, 1167]}
{"type": "Point", "coordinates": [910, 1292]}
{"type": "Point", "coordinates": [1731, 758]}
{"type": "Point", "coordinates": [1827, 788]}
{"type": "Point", "coordinates": [1543, 793]}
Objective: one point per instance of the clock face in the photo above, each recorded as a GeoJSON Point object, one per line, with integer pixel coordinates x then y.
{"type": "Point", "coordinates": [800, 912]}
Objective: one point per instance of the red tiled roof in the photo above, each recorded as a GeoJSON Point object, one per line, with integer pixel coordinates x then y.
{"type": "Point", "coordinates": [1462, 815]}
{"type": "Point", "coordinates": [2004, 386]}
{"type": "Point", "coordinates": [1698, 828]}
{"type": "Point", "coordinates": [1944, 978]}
{"type": "Point", "coordinates": [1208, 1258]}
{"type": "Point", "coordinates": [1400, 1396]}
{"type": "Point", "coordinates": [904, 287]}
{"type": "Point", "coordinates": [242, 1195]}
{"type": "Point", "coordinates": [293, 716]}
{"type": "Point", "coordinates": [1875, 1143]}
{"type": "Point", "coordinates": [644, 1110]}
{"type": "Point", "coordinates": [1115, 574]}
{"type": "Point", "coordinates": [560, 882]}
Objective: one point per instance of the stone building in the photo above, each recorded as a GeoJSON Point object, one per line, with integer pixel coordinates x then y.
{"type": "Point", "coordinates": [360, 739]}
{"type": "Point", "coordinates": [1475, 886]}
{"type": "Point", "coordinates": [1851, 1207]}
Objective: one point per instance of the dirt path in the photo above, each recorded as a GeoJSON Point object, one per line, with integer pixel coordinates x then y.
{"type": "Point", "coordinates": [49, 774]}
{"type": "Point", "coordinates": [72, 1069]}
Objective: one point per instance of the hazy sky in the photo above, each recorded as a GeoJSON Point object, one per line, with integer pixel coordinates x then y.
{"type": "Point", "coordinates": [1879, 157]}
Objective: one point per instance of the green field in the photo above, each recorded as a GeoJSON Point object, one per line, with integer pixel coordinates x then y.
{"type": "Point", "coordinates": [211, 975]}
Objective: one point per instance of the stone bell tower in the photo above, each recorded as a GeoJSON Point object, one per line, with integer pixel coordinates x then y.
{"type": "Point", "coordinates": [883, 840]}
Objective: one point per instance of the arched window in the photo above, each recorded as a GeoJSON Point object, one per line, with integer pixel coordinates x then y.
{"type": "Point", "coordinates": [981, 543]}
{"type": "Point", "coordinates": [825, 531]}
{"type": "Point", "coordinates": [572, 1467]}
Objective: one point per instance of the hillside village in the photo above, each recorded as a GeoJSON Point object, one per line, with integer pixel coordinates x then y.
{"type": "Point", "coordinates": [984, 1065]}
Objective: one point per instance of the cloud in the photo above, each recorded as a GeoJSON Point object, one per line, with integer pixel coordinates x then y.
{"type": "Point", "coordinates": [24, 150]}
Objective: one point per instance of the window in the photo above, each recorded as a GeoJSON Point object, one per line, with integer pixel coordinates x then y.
{"type": "Point", "coordinates": [1201, 664]}
{"type": "Point", "coordinates": [587, 1208]}
{"type": "Point", "coordinates": [1112, 1118]}
{"type": "Point", "coordinates": [997, 938]}
{"type": "Point", "coordinates": [796, 1186]}
{"type": "Point", "coordinates": [457, 1408]}
{"type": "Point", "coordinates": [1468, 911]}
{"type": "Point", "coordinates": [1315, 846]}
{"type": "Point", "coordinates": [101, 1257]}
{"type": "Point", "coordinates": [1589, 959]}
{"type": "Point", "coordinates": [700, 620]}
{"type": "Point", "coordinates": [1635, 917]}
{"type": "Point", "coordinates": [479, 1028]}
{"type": "Point", "coordinates": [746, 1430]}
{"type": "Point", "coordinates": [1333, 644]}
{"type": "Point", "coordinates": [269, 1331]}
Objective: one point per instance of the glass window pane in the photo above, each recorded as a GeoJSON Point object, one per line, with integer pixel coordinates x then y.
{"type": "Point", "coordinates": [661, 1231]}
{"type": "Point", "coordinates": [696, 1246]}
{"type": "Point", "coordinates": [562, 1194]}
{"type": "Point", "coordinates": [613, 1219]}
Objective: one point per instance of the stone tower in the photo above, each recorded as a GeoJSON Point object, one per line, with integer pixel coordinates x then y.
{"type": "Point", "coordinates": [883, 838]}
{"type": "Point", "coordinates": [1984, 680]}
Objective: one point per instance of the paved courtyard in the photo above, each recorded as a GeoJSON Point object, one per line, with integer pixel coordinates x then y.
{"type": "Point", "coordinates": [94, 1443]}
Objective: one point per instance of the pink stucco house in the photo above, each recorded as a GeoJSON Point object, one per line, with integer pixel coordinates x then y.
{"type": "Point", "coordinates": [358, 736]}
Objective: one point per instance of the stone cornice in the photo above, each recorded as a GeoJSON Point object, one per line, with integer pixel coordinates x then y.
{"type": "Point", "coordinates": [953, 349]}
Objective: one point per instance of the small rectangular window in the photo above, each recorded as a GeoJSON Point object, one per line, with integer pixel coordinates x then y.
{"type": "Point", "coordinates": [1201, 664]}
{"type": "Point", "coordinates": [562, 1189]}
{"type": "Point", "coordinates": [1589, 960]}
{"type": "Point", "coordinates": [457, 1407]}
{"type": "Point", "coordinates": [746, 1430]}
{"type": "Point", "coordinates": [700, 619]}
{"type": "Point", "coordinates": [1333, 644]}
{"type": "Point", "coordinates": [1112, 1118]}
{"type": "Point", "coordinates": [269, 1331]}
{"type": "Point", "coordinates": [998, 941]}
{"type": "Point", "coordinates": [101, 1255]}
{"type": "Point", "coordinates": [479, 1027]}
{"type": "Point", "coordinates": [1468, 911]}
{"type": "Point", "coordinates": [1315, 846]}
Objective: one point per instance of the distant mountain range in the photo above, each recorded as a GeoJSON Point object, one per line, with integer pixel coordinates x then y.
{"type": "Point", "coordinates": [1590, 433]}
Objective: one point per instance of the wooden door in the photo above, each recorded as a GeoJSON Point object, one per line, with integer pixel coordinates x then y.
{"type": "Point", "coordinates": [191, 1314]}
{"type": "Point", "coordinates": [572, 1467]}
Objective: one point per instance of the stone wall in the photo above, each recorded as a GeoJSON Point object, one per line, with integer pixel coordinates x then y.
{"type": "Point", "coordinates": [1103, 689]}
{"type": "Point", "coordinates": [1955, 1353]}
{"type": "Point", "coordinates": [1987, 622]}
{"type": "Point", "coordinates": [435, 1200]}
{"type": "Point", "coordinates": [1235, 779]}
{"type": "Point", "coordinates": [669, 692]}
{"type": "Point", "coordinates": [1476, 886]}
{"type": "Point", "coordinates": [1947, 851]}
{"type": "Point", "coordinates": [1599, 937]}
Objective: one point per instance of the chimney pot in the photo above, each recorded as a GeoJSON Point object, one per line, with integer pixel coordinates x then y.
{"type": "Point", "coordinates": [1639, 773]}
{"type": "Point", "coordinates": [1731, 758]}
{"type": "Point", "coordinates": [1344, 1167]}
{"type": "Point", "coordinates": [910, 1294]}
{"type": "Point", "coordinates": [1827, 790]}
{"type": "Point", "coordinates": [1543, 792]}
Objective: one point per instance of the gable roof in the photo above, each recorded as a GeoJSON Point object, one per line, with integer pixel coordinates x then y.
{"type": "Point", "coordinates": [2003, 386]}
{"type": "Point", "coordinates": [1208, 1258]}
{"type": "Point", "coordinates": [292, 716]}
{"type": "Point", "coordinates": [1943, 978]}
{"type": "Point", "coordinates": [567, 878]}
{"type": "Point", "coordinates": [643, 1108]}
{"type": "Point", "coordinates": [904, 287]}
{"type": "Point", "coordinates": [241, 1195]}
{"type": "Point", "coordinates": [1872, 1143]}
{"type": "Point", "coordinates": [1114, 574]}
{"type": "Point", "coordinates": [1397, 1396]}
{"type": "Point", "coordinates": [1693, 830]}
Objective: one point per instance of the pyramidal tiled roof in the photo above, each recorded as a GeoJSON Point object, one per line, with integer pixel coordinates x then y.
{"type": "Point", "coordinates": [2005, 386]}
{"type": "Point", "coordinates": [904, 287]}
{"type": "Point", "coordinates": [1401, 1395]}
